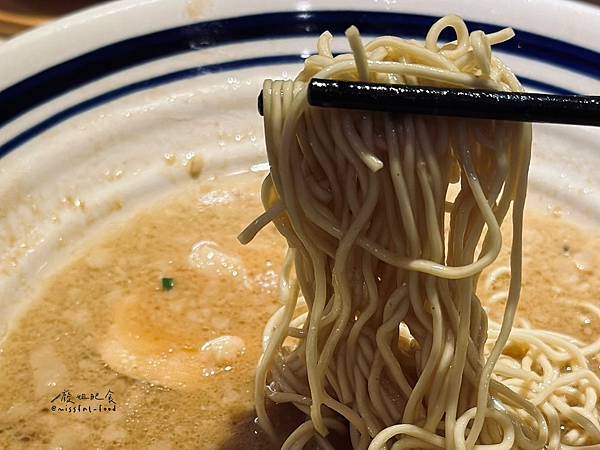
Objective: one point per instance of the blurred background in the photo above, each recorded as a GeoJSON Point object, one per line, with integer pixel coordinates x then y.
{"type": "Point", "coordinates": [18, 15]}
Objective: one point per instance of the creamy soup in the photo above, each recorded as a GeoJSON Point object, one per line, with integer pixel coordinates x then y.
{"type": "Point", "coordinates": [150, 339]}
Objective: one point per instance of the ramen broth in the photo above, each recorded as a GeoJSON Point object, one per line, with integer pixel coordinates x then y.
{"type": "Point", "coordinates": [156, 328]}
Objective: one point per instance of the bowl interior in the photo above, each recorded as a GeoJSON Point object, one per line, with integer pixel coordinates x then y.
{"type": "Point", "coordinates": [125, 129]}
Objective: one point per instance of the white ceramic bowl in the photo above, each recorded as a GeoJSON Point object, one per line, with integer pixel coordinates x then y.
{"type": "Point", "coordinates": [91, 104]}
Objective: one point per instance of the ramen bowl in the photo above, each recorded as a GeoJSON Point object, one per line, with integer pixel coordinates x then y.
{"type": "Point", "coordinates": [118, 107]}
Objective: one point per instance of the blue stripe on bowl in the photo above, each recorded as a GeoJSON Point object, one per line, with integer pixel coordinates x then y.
{"type": "Point", "coordinates": [78, 71]}
{"type": "Point", "coordinates": [180, 75]}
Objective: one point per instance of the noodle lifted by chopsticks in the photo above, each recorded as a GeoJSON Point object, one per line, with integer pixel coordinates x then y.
{"type": "Point", "coordinates": [381, 335]}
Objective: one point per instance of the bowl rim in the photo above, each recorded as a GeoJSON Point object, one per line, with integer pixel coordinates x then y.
{"type": "Point", "coordinates": [171, 27]}
{"type": "Point", "coordinates": [85, 30]}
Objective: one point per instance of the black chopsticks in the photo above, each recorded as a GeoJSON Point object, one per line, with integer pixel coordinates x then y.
{"type": "Point", "coordinates": [475, 103]}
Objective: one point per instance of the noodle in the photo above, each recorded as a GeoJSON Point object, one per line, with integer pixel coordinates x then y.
{"type": "Point", "coordinates": [381, 335]}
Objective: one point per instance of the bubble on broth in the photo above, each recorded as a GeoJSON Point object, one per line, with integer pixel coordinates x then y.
{"type": "Point", "coordinates": [268, 280]}
{"type": "Point", "coordinates": [216, 197]}
{"type": "Point", "coordinates": [208, 257]}
{"type": "Point", "coordinates": [220, 353]}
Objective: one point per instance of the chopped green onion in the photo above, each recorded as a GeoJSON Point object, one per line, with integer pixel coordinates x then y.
{"type": "Point", "coordinates": [168, 284]}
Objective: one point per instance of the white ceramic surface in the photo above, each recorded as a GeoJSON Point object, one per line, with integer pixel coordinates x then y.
{"type": "Point", "coordinates": [97, 152]}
